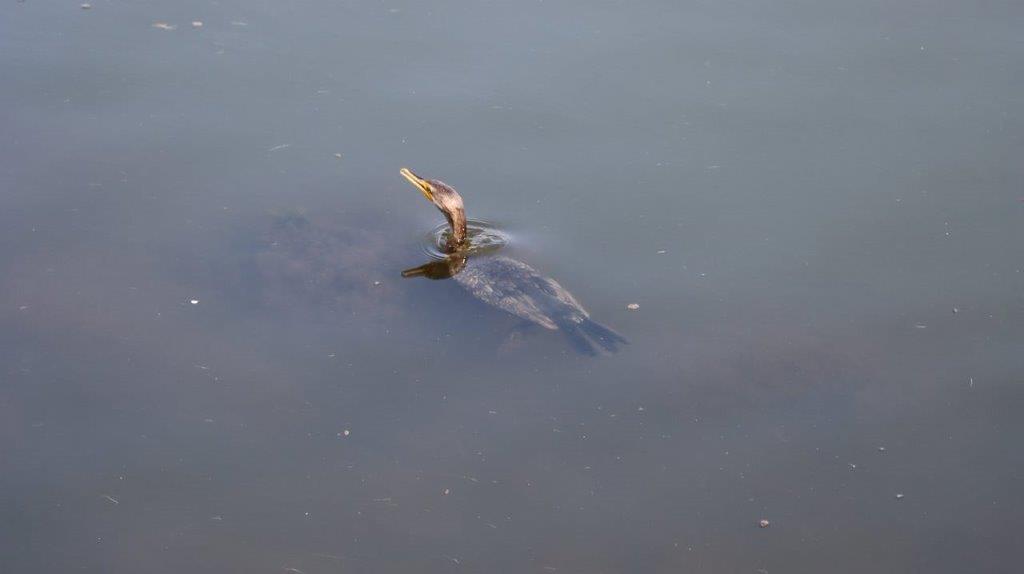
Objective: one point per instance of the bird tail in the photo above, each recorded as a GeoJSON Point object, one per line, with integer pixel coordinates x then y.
{"type": "Point", "coordinates": [590, 337]}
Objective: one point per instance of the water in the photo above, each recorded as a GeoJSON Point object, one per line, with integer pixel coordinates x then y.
{"type": "Point", "coordinates": [797, 195]}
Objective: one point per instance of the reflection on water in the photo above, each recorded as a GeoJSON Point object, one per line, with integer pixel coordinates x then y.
{"type": "Point", "coordinates": [209, 361]}
{"type": "Point", "coordinates": [444, 268]}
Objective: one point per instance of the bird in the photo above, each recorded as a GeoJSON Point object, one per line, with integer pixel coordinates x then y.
{"type": "Point", "coordinates": [506, 283]}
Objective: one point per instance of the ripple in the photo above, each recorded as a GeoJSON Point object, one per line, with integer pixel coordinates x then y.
{"type": "Point", "coordinates": [483, 237]}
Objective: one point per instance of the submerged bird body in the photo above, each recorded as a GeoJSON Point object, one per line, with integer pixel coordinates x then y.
{"type": "Point", "coordinates": [517, 288]}
{"type": "Point", "coordinates": [506, 283]}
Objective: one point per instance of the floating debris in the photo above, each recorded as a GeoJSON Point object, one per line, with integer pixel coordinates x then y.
{"type": "Point", "coordinates": [662, 251]}
{"type": "Point", "coordinates": [345, 432]}
{"type": "Point", "coordinates": [85, 6]}
{"type": "Point", "coordinates": [446, 492]}
{"type": "Point", "coordinates": [881, 449]}
{"type": "Point", "coordinates": [852, 466]}
{"type": "Point", "coordinates": [197, 23]}
{"type": "Point", "coordinates": [194, 301]}
{"type": "Point", "coordinates": [899, 496]}
{"type": "Point", "coordinates": [955, 310]}
{"type": "Point", "coordinates": [764, 523]}
{"type": "Point", "coordinates": [633, 306]}
{"type": "Point", "coordinates": [111, 499]}
{"type": "Point", "coordinates": [164, 26]}
{"type": "Point", "coordinates": [337, 155]}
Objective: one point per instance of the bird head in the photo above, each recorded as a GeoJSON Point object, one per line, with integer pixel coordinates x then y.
{"type": "Point", "coordinates": [446, 200]}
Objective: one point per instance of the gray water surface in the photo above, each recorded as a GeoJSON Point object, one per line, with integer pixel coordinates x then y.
{"type": "Point", "coordinates": [817, 207]}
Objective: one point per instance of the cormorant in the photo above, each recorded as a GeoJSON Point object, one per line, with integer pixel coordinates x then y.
{"type": "Point", "coordinates": [505, 283]}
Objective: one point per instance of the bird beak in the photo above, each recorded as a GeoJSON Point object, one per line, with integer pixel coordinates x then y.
{"type": "Point", "coordinates": [419, 182]}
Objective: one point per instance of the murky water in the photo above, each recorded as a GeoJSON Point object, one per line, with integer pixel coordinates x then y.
{"type": "Point", "coordinates": [211, 363]}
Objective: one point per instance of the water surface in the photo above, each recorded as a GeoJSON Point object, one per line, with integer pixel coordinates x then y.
{"type": "Point", "coordinates": [816, 205]}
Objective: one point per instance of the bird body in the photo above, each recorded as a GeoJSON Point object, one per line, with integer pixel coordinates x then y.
{"type": "Point", "coordinates": [518, 289]}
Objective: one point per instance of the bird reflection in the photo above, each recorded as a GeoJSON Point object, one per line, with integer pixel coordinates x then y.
{"type": "Point", "coordinates": [506, 283]}
{"type": "Point", "coordinates": [440, 269]}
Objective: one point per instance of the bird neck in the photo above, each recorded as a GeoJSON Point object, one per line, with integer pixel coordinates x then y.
{"type": "Point", "coordinates": [457, 221]}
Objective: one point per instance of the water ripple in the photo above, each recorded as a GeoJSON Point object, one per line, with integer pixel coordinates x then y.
{"type": "Point", "coordinates": [483, 237]}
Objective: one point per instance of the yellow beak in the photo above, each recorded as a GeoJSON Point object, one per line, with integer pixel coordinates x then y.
{"type": "Point", "coordinates": [422, 184]}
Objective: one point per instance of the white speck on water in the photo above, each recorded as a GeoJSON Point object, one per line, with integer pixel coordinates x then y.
{"type": "Point", "coordinates": [337, 155]}
{"type": "Point", "coordinates": [899, 496]}
{"type": "Point", "coordinates": [881, 449]}
{"type": "Point", "coordinates": [111, 499]}
{"type": "Point", "coordinates": [662, 251]}
{"type": "Point", "coordinates": [764, 523]}
{"type": "Point", "coordinates": [164, 26]}
{"type": "Point", "coordinates": [633, 306]}
{"type": "Point", "coordinates": [197, 23]}
{"type": "Point", "coordinates": [85, 6]}
{"type": "Point", "coordinates": [194, 301]}
{"type": "Point", "coordinates": [281, 146]}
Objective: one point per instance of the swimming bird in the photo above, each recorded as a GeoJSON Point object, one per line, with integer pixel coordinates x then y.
{"type": "Point", "coordinates": [506, 283]}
